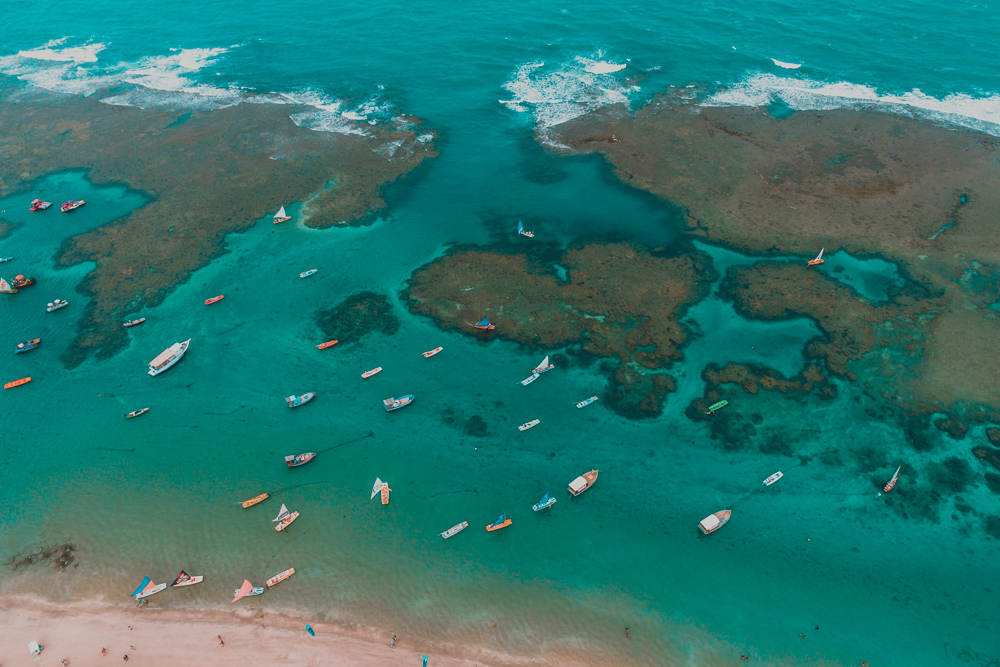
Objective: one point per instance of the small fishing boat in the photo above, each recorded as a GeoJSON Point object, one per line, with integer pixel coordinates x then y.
{"type": "Point", "coordinates": [501, 522]}
{"type": "Point", "coordinates": [306, 274]}
{"type": "Point", "coordinates": [299, 459]}
{"type": "Point", "coordinates": [818, 260]}
{"type": "Point", "coordinates": [136, 413]}
{"type": "Point", "coordinates": [385, 493]}
{"type": "Point", "coordinates": [455, 530]}
{"type": "Point", "coordinates": [256, 499]}
{"type": "Point", "coordinates": [21, 281]}
{"type": "Point", "coordinates": [546, 502]}
{"type": "Point", "coordinates": [377, 488]}
{"type": "Point", "coordinates": [583, 404]}
{"type": "Point", "coordinates": [185, 579]}
{"type": "Point", "coordinates": [716, 406]}
{"type": "Point", "coordinates": [281, 216]}
{"type": "Point", "coordinates": [17, 383]}
{"type": "Point", "coordinates": [246, 590]}
{"type": "Point", "coordinates": [583, 482]}
{"type": "Point", "coordinates": [39, 205]}
{"type": "Point", "coordinates": [147, 588]}
{"type": "Point", "coordinates": [430, 353]}
{"type": "Point", "coordinates": [523, 232]}
{"type": "Point", "coordinates": [773, 478]}
{"type": "Point", "coordinates": [5, 259]}
{"type": "Point", "coordinates": [329, 343]}
{"type": "Point", "coordinates": [278, 578]}
{"type": "Point", "coordinates": [55, 305]}
{"type": "Point", "coordinates": [71, 205]}
{"type": "Point", "coordinates": [168, 357]}
{"type": "Point", "coordinates": [528, 380]}
{"type": "Point", "coordinates": [485, 324]}
{"type": "Point", "coordinates": [368, 374]}
{"type": "Point", "coordinates": [397, 403]}
{"type": "Point", "coordinates": [133, 323]}
{"type": "Point", "coordinates": [892, 482]}
{"type": "Point", "coordinates": [284, 518]}
{"type": "Point", "coordinates": [526, 425]}
{"type": "Point", "coordinates": [214, 299]}
{"type": "Point", "coordinates": [544, 366]}
{"type": "Point", "coordinates": [713, 522]}
{"type": "Point", "coordinates": [5, 287]}
{"type": "Point", "coordinates": [295, 401]}
{"type": "Point", "coordinates": [28, 345]}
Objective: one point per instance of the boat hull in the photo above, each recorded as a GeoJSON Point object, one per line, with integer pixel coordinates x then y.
{"type": "Point", "coordinates": [431, 353]}
{"type": "Point", "coordinates": [153, 590]}
{"type": "Point", "coordinates": [253, 591]}
{"type": "Point", "coordinates": [172, 361]}
{"type": "Point", "coordinates": [391, 404]}
{"type": "Point", "coordinates": [278, 578]}
{"type": "Point", "coordinates": [583, 404]}
{"type": "Point", "coordinates": [256, 499]}
{"type": "Point", "coordinates": [493, 526]}
{"type": "Point", "coordinates": [17, 383]}
{"type": "Point", "coordinates": [385, 494]}
{"type": "Point", "coordinates": [368, 374]}
{"type": "Point", "coordinates": [528, 380]}
{"type": "Point", "coordinates": [306, 274]}
{"type": "Point", "coordinates": [134, 323]}
{"type": "Point", "coordinates": [286, 522]}
{"type": "Point", "coordinates": [28, 345]}
{"type": "Point", "coordinates": [136, 413]}
{"type": "Point", "coordinates": [190, 582]}
{"type": "Point", "coordinates": [278, 221]}
{"type": "Point", "coordinates": [329, 343]}
{"type": "Point", "coordinates": [583, 482]}
{"type": "Point", "coordinates": [296, 401]}
{"type": "Point", "coordinates": [214, 299]}
{"type": "Point", "coordinates": [538, 507]}
{"type": "Point", "coordinates": [455, 530]}
{"type": "Point", "coordinates": [299, 460]}
{"type": "Point", "coordinates": [532, 424]}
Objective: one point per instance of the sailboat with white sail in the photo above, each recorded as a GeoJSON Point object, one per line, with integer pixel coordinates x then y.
{"type": "Point", "coordinates": [284, 518]}
{"type": "Point", "coordinates": [281, 216]}
{"type": "Point", "coordinates": [544, 366]}
{"type": "Point", "coordinates": [818, 260]}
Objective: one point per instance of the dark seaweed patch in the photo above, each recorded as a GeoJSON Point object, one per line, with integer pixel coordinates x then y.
{"type": "Point", "coordinates": [358, 316]}
{"type": "Point", "coordinates": [951, 476]}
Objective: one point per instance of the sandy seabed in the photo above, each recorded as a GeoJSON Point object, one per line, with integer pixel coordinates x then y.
{"type": "Point", "coordinates": [78, 631]}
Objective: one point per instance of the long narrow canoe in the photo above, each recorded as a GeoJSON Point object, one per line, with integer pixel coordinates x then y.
{"type": "Point", "coordinates": [256, 499]}
{"type": "Point", "coordinates": [278, 578]}
{"type": "Point", "coordinates": [17, 383]}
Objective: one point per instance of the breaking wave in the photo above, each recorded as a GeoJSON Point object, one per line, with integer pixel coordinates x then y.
{"type": "Point", "coordinates": [976, 113]}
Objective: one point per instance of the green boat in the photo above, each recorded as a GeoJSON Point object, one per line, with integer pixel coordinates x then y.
{"type": "Point", "coordinates": [717, 406]}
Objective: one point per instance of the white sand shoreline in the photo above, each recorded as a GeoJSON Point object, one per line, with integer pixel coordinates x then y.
{"type": "Point", "coordinates": [77, 631]}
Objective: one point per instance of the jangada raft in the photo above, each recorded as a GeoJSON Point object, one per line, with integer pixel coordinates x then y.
{"type": "Point", "coordinates": [397, 403]}
{"type": "Point", "coordinates": [818, 260]}
{"type": "Point", "coordinates": [583, 482]}
{"type": "Point", "coordinates": [284, 518]}
{"type": "Point", "coordinates": [546, 502]}
{"type": "Point", "coordinates": [5, 287]}
{"type": "Point", "coordinates": [713, 522]}
{"type": "Point", "coordinates": [382, 488]}
{"type": "Point", "coordinates": [892, 482]}
{"type": "Point", "coordinates": [185, 579]}
{"type": "Point", "coordinates": [281, 216]}
{"type": "Point", "coordinates": [147, 588]}
{"type": "Point", "coordinates": [246, 590]}
{"type": "Point", "coordinates": [299, 459]}
{"type": "Point", "coordinates": [544, 366]}
{"type": "Point", "coordinates": [501, 522]}
{"type": "Point", "coordinates": [168, 357]}
{"type": "Point", "coordinates": [278, 578]}
{"type": "Point", "coordinates": [485, 325]}
{"type": "Point", "coordinates": [523, 232]}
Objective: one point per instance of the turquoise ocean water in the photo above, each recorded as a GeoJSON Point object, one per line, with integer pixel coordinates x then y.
{"type": "Point", "coordinates": [815, 549]}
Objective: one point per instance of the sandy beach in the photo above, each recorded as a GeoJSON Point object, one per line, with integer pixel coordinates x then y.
{"type": "Point", "coordinates": [77, 632]}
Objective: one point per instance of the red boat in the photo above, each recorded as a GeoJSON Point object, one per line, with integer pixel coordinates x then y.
{"type": "Point", "coordinates": [485, 324]}
{"type": "Point", "coordinates": [132, 323]}
{"type": "Point", "coordinates": [38, 205]}
{"type": "Point", "coordinates": [209, 302]}
{"type": "Point", "coordinates": [329, 343]}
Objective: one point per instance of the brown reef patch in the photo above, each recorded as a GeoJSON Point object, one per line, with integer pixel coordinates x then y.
{"type": "Point", "coordinates": [357, 317]}
{"type": "Point", "coordinates": [213, 174]}
{"type": "Point", "coordinates": [993, 435]}
{"type": "Point", "coordinates": [619, 302]}
{"type": "Point", "coordinates": [56, 556]}
{"type": "Point", "coordinates": [988, 455]}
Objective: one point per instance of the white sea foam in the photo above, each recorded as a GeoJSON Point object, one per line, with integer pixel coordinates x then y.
{"type": "Point", "coordinates": [77, 54]}
{"type": "Point", "coordinates": [559, 93]}
{"type": "Point", "coordinates": [981, 113]}
{"type": "Point", "coordinates": [328, 114]}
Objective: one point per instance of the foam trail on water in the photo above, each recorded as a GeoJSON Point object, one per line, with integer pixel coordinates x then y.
{"type": "Point", "coordinates": [559, 93]}
{"type": "Point", "coordinates": [77, 54]}
{"type": "Point", "coordinates": [976, 113]}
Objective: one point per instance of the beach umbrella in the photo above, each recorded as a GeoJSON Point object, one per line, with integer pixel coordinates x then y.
{"type": "Point", "coordinates": [18, 277]}
{"type": "Point", "coordinates": [34, 648]}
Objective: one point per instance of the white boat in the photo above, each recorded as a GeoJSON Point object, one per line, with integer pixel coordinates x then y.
{"type": "Point", "coordinates": [281, 216]}
{"type": "Point", "coordinates": [185, 579]}
{"type": "Point", "coordinates": [282, 514]}
{"type": "Point", "coordinates": [168, 357]}
{"type": "Point", "coordinates": [528, 380]}
{"type": "Point", "coordinates": [713, 522]}
{"type": "Point", "coordinates": [526, 425]}
{"type": "Point", "coordinates": [368, 374]}
{"type": "Point", "coordinates": [454, 530]}
{"type": "Point", "coordinates": [430, 353]}
{"type": "Point", "coordinates": [544, 366]}
{"type": "Point", "coordinates": [136, 413]}
{"type": "Point", "coordinates": [773, 478]}
{"type": "Point", "coordinates": [585, 403]}
{"type": "Point", "coordinates": [546, 502]}
{"type": "Point", "coordinates": [246, 590]}
{"type": "Point", "coordinates": [55, 305]}
{"type": "Point", "coordinates": [377, 489]}
{"type": "Point", "coordinates": [523, 232]}
{"type": "Point", "coordinates": [147, 588]}
{"type": "Point", "coordinates": [306, 274]}
{"type": "Point", "coordinates": [583, 482]}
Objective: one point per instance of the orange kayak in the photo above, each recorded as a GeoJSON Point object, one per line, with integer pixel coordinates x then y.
{"type": "Point", "coordinates": [385, 494]}
{"type": "Point", "coordinates": [253, 501]}
{"type": "Point", "coordinates": [17, 383]}
{"type": "Point", "coordinates": [209, 302]}
{"type": "Point", "coordinates": [329, 343]}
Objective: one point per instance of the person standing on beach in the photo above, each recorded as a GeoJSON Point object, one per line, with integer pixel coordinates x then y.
{"type": "Point", "coordinates": [220, 640]}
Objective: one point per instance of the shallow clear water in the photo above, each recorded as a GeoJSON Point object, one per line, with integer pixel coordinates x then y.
{"type": "Point", "coordinates": [816, 548]}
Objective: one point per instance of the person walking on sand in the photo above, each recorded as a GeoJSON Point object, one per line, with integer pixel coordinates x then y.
{"type": "Point", "coordinates": [393, 642]}
{"type": "Point", "coordinates": [220, 640]}
{"type": "Point", "coordinates": [104, 651]}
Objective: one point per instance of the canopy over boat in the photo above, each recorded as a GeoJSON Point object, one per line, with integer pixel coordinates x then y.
{"type": "Point", "coordinates": [244, 590]}
{"type": "Point", "coordinates": [146, 581]}
{"type": "Point", "coordinates": [282, 514]}
{"type": "Point", "coordinates": [166, 355]}
{"type": "Point", "coordinates": [377, 488]}
{"type": "Point", "coordinates": [578, 484]}
{"type": "Point", "coordinates": [710, 523]}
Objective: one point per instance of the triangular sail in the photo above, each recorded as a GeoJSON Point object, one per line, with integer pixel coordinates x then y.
{"type": "Point", "coordinates": [183, 576]}
{"type": "Point", "coordinates": [484, 323]}
{"type": "Point", "coordinates": [545, 362]}
{"type": "Point", "coordinates": [145, 582]}
{"type": "Point", "coordinates": [4, 285]}
{"type": "Point", "coordinates": [544, 499]}
{"type": "Point", "coordinates": [892, 482]}
{"type": "Point", "coordinates": [245, 590]}
{"type": "Point", "coordinates": [377, 488]}
{"type": "Point", "coordinates": [282, 514]}
{"type": "Point", "coordinates": [281, 213]}
{"type": "Point", "coordinates": [820, 255]}
{"type": "Point", "coordinates": [503, 517]}
{"type": "Point", "coordinates": [520, 226]}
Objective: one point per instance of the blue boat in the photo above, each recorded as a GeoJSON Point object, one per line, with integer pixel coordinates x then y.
{"type": "Point", "coordinates": [523, 232]}
{"type": "Point", "coordinates": [546, 502]}
{"type": "Point", "coordinates": [485, 324]}
{"type": "Point", "coordinates": [397, 403]}
{"type": "Point", "coordinates": [27, 345]}
{"type": "Point", "coordinates": [295, 401]}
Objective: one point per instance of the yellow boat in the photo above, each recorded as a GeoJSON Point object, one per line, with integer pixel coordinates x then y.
{"type": "Point", "coordinates": [256, 499]}
{"type": "Point", "coordinates": [17, 383]}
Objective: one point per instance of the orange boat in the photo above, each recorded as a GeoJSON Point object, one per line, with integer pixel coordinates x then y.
{"type": "Point", "coordinates": [17, 383]}
{"type": "Point", "coordinates": [209, 302]}
{"type": "Point", "coordinates": [278, 578]}
{"type": "Point", "coordinates": [502, 522]}
{"type": "Point", "coordinates": [892, 482]}
{"type": "Point", "coordinates": [819, 259]}
{"type": "Point", "coordinates": [253, 501]}
{"type": "Point", "coordinates": [385, 494]}
{"type": "Point", "coordinates": [329, 343]}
